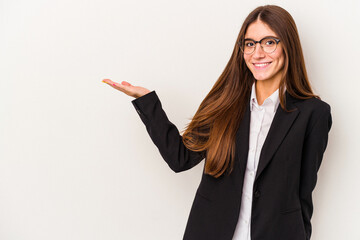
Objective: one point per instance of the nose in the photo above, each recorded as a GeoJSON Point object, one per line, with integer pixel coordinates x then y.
{"type": "Point", "coordinates": [258, 52]}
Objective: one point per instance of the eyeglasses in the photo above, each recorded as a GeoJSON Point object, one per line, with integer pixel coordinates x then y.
{"type": "Point", "coordinates": [268, 44]}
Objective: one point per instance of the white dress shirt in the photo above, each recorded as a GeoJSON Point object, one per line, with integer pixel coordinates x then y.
{"type": "Point", "coordinates": [260, 121]}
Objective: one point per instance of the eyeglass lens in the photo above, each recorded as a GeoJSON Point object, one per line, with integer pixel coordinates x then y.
{"type": "Point", "coordinates": [267, 44]}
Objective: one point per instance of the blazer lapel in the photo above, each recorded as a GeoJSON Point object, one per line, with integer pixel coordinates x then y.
{"type": "Point", "coordinates": [279, 128]}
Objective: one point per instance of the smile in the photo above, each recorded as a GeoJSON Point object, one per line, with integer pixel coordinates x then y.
{"type": "Point", "coordinates": [261, 65]}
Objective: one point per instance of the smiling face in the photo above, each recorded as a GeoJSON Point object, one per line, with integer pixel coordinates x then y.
{"type": "Point", "coordinates": [274, 62]}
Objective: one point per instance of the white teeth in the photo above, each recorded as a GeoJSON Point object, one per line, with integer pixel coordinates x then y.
{"type": "Point", "coordinates": [262, 64]}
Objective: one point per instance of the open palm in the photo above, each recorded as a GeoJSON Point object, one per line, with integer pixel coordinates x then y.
{"type": "Point", "coordinates": [127, 88]}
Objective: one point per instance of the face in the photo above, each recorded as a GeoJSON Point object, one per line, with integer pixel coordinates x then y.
{"type": "Point", "coordinates": [270, 72]}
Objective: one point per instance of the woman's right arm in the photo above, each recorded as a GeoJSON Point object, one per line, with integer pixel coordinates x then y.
{"type": "Point", "coordinates": [163, 133]}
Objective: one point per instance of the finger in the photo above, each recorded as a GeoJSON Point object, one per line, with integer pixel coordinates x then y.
{"type": "Point", "coordinates": [111, 83]}
{"type": "Point", "coordinates": [125, 83]}
{"type": "Point", "coordinates": [118, 86]}
{"type": "Point", "coordinates": [121, 87]}
{"type": "Point", "coordinates": [108, 81]}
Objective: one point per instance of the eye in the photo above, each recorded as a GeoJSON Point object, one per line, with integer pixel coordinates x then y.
{"type": "Point", "coordinates": [269, 42]}
{"type": "Point", "coordinates": [249, 44]}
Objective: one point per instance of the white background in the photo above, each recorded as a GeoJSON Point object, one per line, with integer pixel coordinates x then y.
{"type": "Point", "coordinates": [76, 161]}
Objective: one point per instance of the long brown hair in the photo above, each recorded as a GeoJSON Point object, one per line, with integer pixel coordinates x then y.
{"type": "Point", "coordinates": [214, 125]}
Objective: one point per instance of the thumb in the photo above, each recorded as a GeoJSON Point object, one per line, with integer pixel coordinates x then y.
{"type": "Point", "coordinates": [125, 83]}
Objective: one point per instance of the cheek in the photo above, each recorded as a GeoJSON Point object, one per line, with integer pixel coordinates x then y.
{"type": "Point", "coordinates": [247, 61]}
{"type": "Point", "coordinates": [281, 61]}
{"type": "Point", "coordinates": [280, 57]}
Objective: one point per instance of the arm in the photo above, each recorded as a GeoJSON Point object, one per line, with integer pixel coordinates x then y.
{"type": "Point", "coordinates": [313, 150]}
{"type": "Point", "coordinates": [165, 134]}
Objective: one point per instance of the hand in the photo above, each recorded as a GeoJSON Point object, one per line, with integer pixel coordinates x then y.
{"type": "Point", "coordinates": [127, 88]}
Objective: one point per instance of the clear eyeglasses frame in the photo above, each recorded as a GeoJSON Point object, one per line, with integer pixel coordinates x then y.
{"type": "Point", "coordinates": [268, 45]}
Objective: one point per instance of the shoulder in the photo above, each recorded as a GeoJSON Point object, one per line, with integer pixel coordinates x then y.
{"type": "Point", "coordinates": [316, 111]}
{"type": "Point", "coordinates": [313, 106]}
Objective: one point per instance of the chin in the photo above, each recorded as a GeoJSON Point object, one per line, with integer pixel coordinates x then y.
{"type": "Point", "coordinates": [261, 78]}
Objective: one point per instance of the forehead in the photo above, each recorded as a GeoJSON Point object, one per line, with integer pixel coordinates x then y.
{"type": "Point", "coordinates": [258, 30]}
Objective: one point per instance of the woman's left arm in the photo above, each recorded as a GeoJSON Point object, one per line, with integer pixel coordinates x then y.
{"type": "Point", "coordinates": [313, 149]}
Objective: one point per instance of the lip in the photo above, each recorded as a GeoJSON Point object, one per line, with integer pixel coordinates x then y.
{"type": "Point", "coordinates": [263, 67]}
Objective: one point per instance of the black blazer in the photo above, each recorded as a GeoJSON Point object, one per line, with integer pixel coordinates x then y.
{"type": "Point", "coordinates": [286, 176]}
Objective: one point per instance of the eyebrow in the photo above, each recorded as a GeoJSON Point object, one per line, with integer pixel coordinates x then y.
{"type": "Point", "coordinates": [262, 38]}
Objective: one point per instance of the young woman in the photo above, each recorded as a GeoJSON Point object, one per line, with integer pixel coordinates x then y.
{"type": "Point", "coordinates": [261, 130]}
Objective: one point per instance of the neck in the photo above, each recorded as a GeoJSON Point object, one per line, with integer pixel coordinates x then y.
{"type": "Point", "coordinates": [264, 89]}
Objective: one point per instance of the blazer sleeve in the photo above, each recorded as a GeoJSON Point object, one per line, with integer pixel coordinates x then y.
{"type": "Point", "coordinates": [165, 134]}
{"type": "Point", "coordinates": [313, 150]}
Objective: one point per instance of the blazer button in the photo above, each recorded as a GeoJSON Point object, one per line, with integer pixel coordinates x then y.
{"type": "Point", "coordinates": [257, 193]}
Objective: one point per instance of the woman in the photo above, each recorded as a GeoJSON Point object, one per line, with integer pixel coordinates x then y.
{"type": "Point", "coordinates": [261, 130]}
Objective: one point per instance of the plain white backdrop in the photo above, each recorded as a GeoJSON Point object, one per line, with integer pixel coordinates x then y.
{"type": "Point", "coordinates": [76, 161]}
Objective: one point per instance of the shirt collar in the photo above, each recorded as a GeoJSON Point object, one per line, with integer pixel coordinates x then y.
{"type": "Point", "coordinates": [273, 99]}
